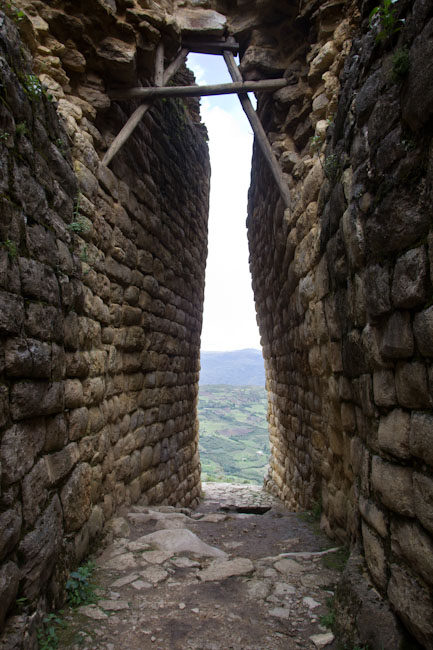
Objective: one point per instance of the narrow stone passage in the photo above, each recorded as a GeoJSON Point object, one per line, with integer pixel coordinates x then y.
{"type": "Point", "coordinates": [221, 577]}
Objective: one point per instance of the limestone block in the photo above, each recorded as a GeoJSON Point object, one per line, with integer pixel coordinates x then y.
{"type": "Point", "coordinates": [423, 498]}
{"type": "Point", "coordinates": [39, 549]}
{"type": "Point", "coordinates": [353, 238]}
{"type": "Point", "coordinates": [19, 447]}
{"type": "Point", "coordinates": [393, 484]}
{"type": "Point", "coordinates": [27, 358]}
{"type": "Point", "coordinates": [384, 388]}
{"type": "Point", "coordinates": [393, 435]}
{"type": "Point", "coordinates": [201, 21]}
{"type": "Point", "coordinates": [375, 555]}
{"type": "Point", "coordinates": [323, 60]}
{"type": "Point", "coordinates": [374, 516]}
{"type": "Point", "coordinates": [9, 581]}
{"type": "Point", "coordinates": [423, 330]}
{"type": "Point", "coordinates": [412, 602]}
{"type": "Point", "coordinates": [96, 521]}
{"type": "Point", "coordinates": [397, 339]}
{"type": "Point", "coordinates": [60, 464]}
{"type": "Point", "coordinates": [411, 385]}
{"type": "Point", "coordinates": [73, 393]}
{"type": "Point", "coordinates": [421, 437]}
{"type": "Point", "coordinates": [11, 313]}
{"type": "Point", "coordinates": [410, 276]}
{"type": "Point", "coordinates": [73, 60]}
{"type": "Point", "coordinates": [75, 497]}
{"type": "Point", "coordinates": [78, 419]}
{"type": "Point", "coordinates": [377, 280]}
{"type": "Point", "coordinates": [10, 526]}
{"type": "Point", "coordinates": [38, 281]}
{"type": "Point", "coordinates": [410, 541]}
{"type": "Point", "coordinates": [118, 58]}
{"type": "Point", "coordinates": [34, 492]}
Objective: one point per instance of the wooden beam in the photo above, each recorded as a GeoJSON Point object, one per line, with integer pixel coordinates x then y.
{"type": "Point", "coordinates": [139, 112]}
{"type": "Point", "coordinates": [268, 85]}
{"type": "Point", "coordinates": [259, 131]}
{"type": "Point", "coordinates": [210, 47]}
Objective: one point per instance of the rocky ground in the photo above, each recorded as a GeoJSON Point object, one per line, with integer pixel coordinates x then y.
{"type": "Point", "coordinates": [238, 573]}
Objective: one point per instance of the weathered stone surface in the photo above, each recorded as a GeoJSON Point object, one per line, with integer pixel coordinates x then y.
{"type": "Point", "coordinates": [19, 447]}
{"type": "Point", "coordinates": [222, 569]}
{"type": "Point", "coordinates": [384, 388]}
{"type": "Point", "coordinates": [408, 540]}
{"type": "Point", "coordinates": [75, 497]}
{"type": "Point", "coordinates": [182, 540]}
{"type": "Point", "coordinates": [375, 556]}
{"type": "Point", "coordinates": [373, 516]}
{"type": "Point", "coordinates": [411, 385]}
{"type": "Point", "coordinates": [423, 499]}
{"type": "Point", "coordinates": [10, 527]}
{"type": "Point", "coordinates": [423, 330]}
{"type": "Point", "coordinates": [11, 313]}
{"type": "Point", "coordinates": [418, 98]}
{"type": "Point", "coordinates": [409, 282]}
{"type": "Point", "coordinates": [60, 464]}
{"type": "Point", "coordinates": [421, 436]}
{"type": "Point", "coordinates": [32, 399]}
{"type": "Point", "coordinates": [201, 21]}
{"type": "Point", "coordinates": [412, 602]}
{"type": "Point", "coordinates": [397, 339]}
{"type": "Point", "coordinates": [34, 492]}
{"type": "Point", "coordinates": [393, 435]}
{"type": "Point", "coordinates": [9, 581]}
{"type": "Point", "coordinates": [393, 485]}
{"type": "Point", "coordinates": [39, 549]}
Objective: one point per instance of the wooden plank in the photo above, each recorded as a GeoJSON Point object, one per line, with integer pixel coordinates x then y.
{"type": "Point", "coordinates": [267, 85]}
{"type": "Point", "coordinates": [259, 131]}
{"type": "Point", "coordinates": [210, 47]}
{"type": "Point", "coordinates": [139, 112]}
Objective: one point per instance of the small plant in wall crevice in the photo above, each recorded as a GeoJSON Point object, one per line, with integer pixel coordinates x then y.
{"type": "Point", "coordinates": [385, 19]}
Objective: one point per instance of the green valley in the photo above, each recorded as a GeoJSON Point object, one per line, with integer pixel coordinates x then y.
{"type": "Point", "coordinates": [234, 439]}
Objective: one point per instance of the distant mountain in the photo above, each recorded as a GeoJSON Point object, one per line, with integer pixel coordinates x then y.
{"type": "Point", "coordinates": [235, 368]}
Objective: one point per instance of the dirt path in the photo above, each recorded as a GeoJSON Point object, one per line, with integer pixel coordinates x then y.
{"type": "Point", "coordinates": [209, 580]}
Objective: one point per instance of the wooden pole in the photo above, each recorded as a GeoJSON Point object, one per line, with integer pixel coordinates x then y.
{"type": "Point", "coordinates": [259, 131]}
{"type": "Point", "coordinates": [139, 112]}
{"type": "Point", "coordinates": [267, 85]}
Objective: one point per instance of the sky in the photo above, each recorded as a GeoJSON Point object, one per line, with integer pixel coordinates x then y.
{"type": "Point", "coordinates": [229, 320]}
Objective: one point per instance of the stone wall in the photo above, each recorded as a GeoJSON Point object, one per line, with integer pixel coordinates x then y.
{"type": "Point", "coordinates": [101, 291]}
{"type": "Point", "coordinates": [343, 286]}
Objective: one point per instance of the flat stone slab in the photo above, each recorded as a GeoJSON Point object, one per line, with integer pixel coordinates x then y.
{"type": "Point", "coordinates": [288, 567]}
{"type": "Point", "coordinates": [154, 574]}
{"type": "Point", "coordinates": [125, 580]}
{"type": "Point", "coordinates": [185, 563]}
{"type": "Point", "coordinates": [322, 640]}
{"type": "Point", "coordinates": [181, 541]}
{"type": "Point", "coordinates": [201, 21]}
{"type": "Point", "coordinates": [280, 612]}
{"type": "Point", "coordinates": [113, 605]}
{"type": "Point", "coordinates": [121, 562]}
{"type": "Point", "coordinates": [156, 557]}
{"type": "Point", "coordinates": [93, 612]}
{"type": "Point", "coordinates": [222, 569]}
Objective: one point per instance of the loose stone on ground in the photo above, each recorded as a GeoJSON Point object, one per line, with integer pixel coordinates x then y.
{"type": "Point", "coordinates": [176, 589]}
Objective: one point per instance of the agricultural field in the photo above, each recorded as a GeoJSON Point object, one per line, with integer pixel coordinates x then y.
{"type": "Point", "coordinates": [234, 439]}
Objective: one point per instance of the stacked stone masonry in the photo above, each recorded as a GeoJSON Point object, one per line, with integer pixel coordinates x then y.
{"type": "Point", "coordinates": [101, 291]}
{"type": "Point", "coordinates": [102, 277]}
{"type": "Point", "coordinates": [343, 287]}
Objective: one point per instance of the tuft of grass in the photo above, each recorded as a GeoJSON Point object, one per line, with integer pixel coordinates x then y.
{"type": "Point", "coordinates": [338, 560]}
